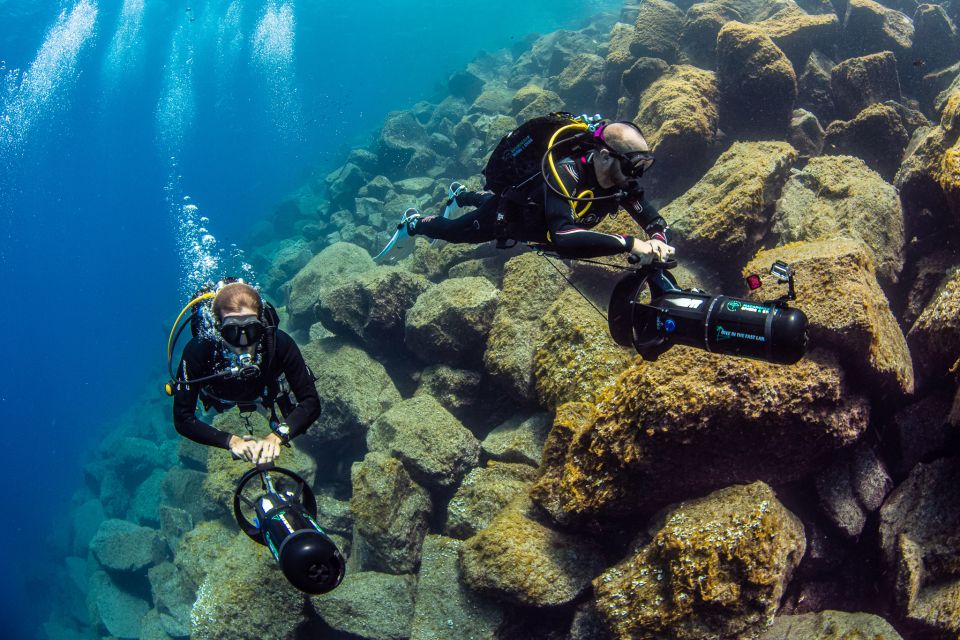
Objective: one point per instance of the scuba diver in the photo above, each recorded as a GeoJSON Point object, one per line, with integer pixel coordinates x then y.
{"type": "Point", "coordinates": [239, 357]}
{"type": "Point", "coordinates": [528, 195]}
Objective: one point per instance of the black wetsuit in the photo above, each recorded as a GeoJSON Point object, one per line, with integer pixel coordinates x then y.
{"type": "Point", "coordinates": [203, 357]}
{"type": "Point", "coordinates": [544, 217]}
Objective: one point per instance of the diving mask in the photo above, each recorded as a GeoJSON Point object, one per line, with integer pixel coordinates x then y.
{"type": "Point", "coordinates": [241, 331]}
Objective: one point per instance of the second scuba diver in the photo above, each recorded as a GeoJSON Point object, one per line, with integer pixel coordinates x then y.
{"type": "Point", "coordinates": [248, 361]}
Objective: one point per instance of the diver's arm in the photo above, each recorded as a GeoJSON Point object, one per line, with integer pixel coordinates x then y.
{"type": "Point", "coordinates": [647, 216]}
{"type": "Point", "coordinates": [185, 419]}
{"type": "Point", "coordinates": [577, 242]}
{"type": "Point", "coordinates": [301, 383]}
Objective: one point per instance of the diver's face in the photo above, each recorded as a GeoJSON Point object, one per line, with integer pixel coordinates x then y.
{"type": "Point", "coordinates": [608, 169]}
{"type": "Point", "coordinates": [242, 316]}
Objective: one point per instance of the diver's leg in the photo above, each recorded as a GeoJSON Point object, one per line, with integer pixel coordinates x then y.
{"type": "Point", "coordinates": [475, 227]}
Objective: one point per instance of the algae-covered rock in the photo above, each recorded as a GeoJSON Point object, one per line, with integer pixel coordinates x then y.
{"type": "Point", "coordinates": [830, 625]}
{"type": "Point", "coordinates": [449, 323]}
{"type": "Point", "coordinates": [847, 309]}
{"type": "Point", "coordinates": [870, 27]}
{"type": "Point", "coordinates": [372, 605]}
{"type": "Point", "coordinates": [183, 488]}
{"type": "Point", "coordinates": [434, 446]}
{"type": "Point", "coordinates": [715, 568]}
{"type": "Point", "coordinates": [575, 356]}
{"type": "Point", "coordinates": [372, 306]}
{"type": "Point", "coordinates": [173, 597]}
{"type": "Point", "coordinates": [200, 548]}
{"type": "Point", "coordinates": [118, 611]}
{"type": "Point", "coordinates": [853, 487]}
{"type": "Point", "coordinates": [918, 539]}
{"type": "Point", "coordinates": [325, 270]}
{"type": "Point", "coordinates": [725, 213]}
{"type": "Point", "coordinates": [455, 389]}
{"type": "Point", "coordinates": [692, 422]}
{"type": "Point", "coordinates": [839, 196]}
{"type": "Point", "coordinates": [533, 100]}
{"type": "Point", "coordinates": [444, 606]}
{"type": "Point", "coordinates": [483, 494]}
{"type": "Point", "coordinates": [400, 139]}
{"type": "Point", "coordinates": [530, 285]}
{"type": "Point", "coordinates": [354, 389]}
{"type": "Point", "coordinates": [928, 274]}
{"type": "Point", "coordinates": [579, 83]}
{"type": "Point", "coordinates": [858, 83]}
{"type": "Point", "coordinates": [659, 24]}
{"type": "Point", "coordinates": [519, 560]}
{"type": "Point", "coordinates": [935, 337]}
{"type": "Point", "coordinates": [703, 22]}
{"type": "Point", "coordinates": [87, 518]}
{"type": "Point", "coordinates": [390, 511]}
{"type": "Point", "coordinates": [814, 91]}
{"type": "Point", "coordinates": [876, 135]}
{"type": "Point", "coordinates": [343, 183]}
{"type": "Point", "coordinates": [124, 546]}
{"type": "Point", "coordinates": [519, 439]}
{"type": "Point", "coordinates": [758, 85]}
{"type": "Point", "coordinates": [797, 33]}
{"type": "Point", "coordinates": [806, 134]}
{"type": "Point", "coordinates": [936, 40]}
{"type": "Point", "coordinates": [145, 506]}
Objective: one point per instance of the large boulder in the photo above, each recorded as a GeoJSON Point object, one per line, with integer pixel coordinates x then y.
{"type": "Point", "coordinates": [935, 337]}
{"type": "Point", "coordinates": [692, 422]}
{"type": "Point", "coordinates": [936, 40]}
{"type": "Point", "coordinates": [758, 85]}
{"type": "Point", "coordinates": [522, 561]}
{"type": "Point", "coordinates": [455, 389]}
{"type": "Point", "coordinates": [920, 431]}
{"type": "Point", "coordinates": [200, 549]}
{"type": "Point", "coordinates": [658, 27]}
{"type": "Point", "coordinates": [715, 568]}
{"type": "Point", "coordinates": [797, 33]}
{"type": "Point", "coordinates": [118, 611]}
{"type": "Point", "coordinates": [579, 84]}
{"type": "Point", "coordinates": [449, 323]}
{"type": "Point", "coordinates": [870, 27]}
{"type": "Point", "coordinates": [483, 494]}
{"type": "Point", "coordinates": [830, 624]}
{"type": "Point", "coordinates": [371, 605]}
{"type": "Point", "coordinates": [343, 183]}
{"type": "Point", "coordinates": [354, 389]}
{"type": "Point", "coordinates": [324, 271]}
{"type": "Point", "coordinates": [839, 196]}
{"type": "Point", "coordinates": [519, 439]}
{"type": "Point", "coordinates": [727, 211]}
{"type": "Point", "coordinates": [126, 547]}
{"type": "Point", "coordinates": [434, 446]}
{"type": "Point", "coordinates": [533, 100]}
{"type": "Point", "coordinates": [858, 83]}
{"type": "Point", "coordinates": [400, 139]}
{"type": "Point", "coordinates": [918, 539]}
{"type": "Point", "coordinates": [173, 597]}
{"type": "Point", "coordinates": [806, 134]}
{"type": "Point", "coordinates": [390, 511]}
{"type": "Point", "coordinates": [852, 488]}
{"type": "Point", "coordinates": [702, 23]}
{"type": "Point", "coordinates": [814, 91]}
{"type": "Point", "coordinates": [876, 135]}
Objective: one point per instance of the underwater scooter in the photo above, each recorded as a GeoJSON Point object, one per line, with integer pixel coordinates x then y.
{"type": "Point", "coordinates": [770, 331]}
{"type": "Point", "coordinates": [285, 521]}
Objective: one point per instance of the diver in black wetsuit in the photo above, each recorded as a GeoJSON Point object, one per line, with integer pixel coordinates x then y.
{"type": "Point", "coordinates": [551, 214]}
{"type": "Point", "coordinates": [252, 362]}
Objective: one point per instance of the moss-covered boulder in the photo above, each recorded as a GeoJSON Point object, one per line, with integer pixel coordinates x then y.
{"type": "Point", "coordinates": [692, 422]}
{"type": "Point", "coordinates": [935, 337]}
{"type": "Point", "coordinates": [702, 23]}
{"type": "Point", "coordinates": [758, 85]}
{"type": "Point", "coordinates": [483, 494]}
{"type": "Point", "coordinates": [173, 596]}
{"type": "Point", "coordinates": [876, 135]}
{"type": "Point", "coordinates": [715, 568]}
{"type": "Point", "coordinates": [372, 306]}
{"type": "Point", "coordinates": [325, 270]}
{"type": "Point", "coordinates": [825, 625]}
{"type": "Point", "coordinates": [860, 82]}
{"type": "Point", "coordinates": [579, 84]}
{"type": "Point", "coordinates": [434, 446]}
{"type": "Point", "coordinates": [114, 609]}
{"type": "Point", "coordinates": [455, 389]}
{"type": "Point", "coordinates": [443, 602]}
{"type": "Point", "coordinates": [927, 276]}
{"type": "Point", "coordinates": [575, 356]}
{"type": "Point", "coordinates": [936, 40]}
{"type": "Point", "coordinates": [870, 27]}
{"type": "Point", "coordinates": [727, 211]}
{"type": "Point", "coordinates": [354, 389]}
{"type": "Point", "coordinates": [520, 560]}
{"type": "Point", "coordinates": [814, 92]}
{"type": "Point", "coordinates": [806, 134]}
{"type": "Point", "coordinates": [390, 511]}
{"type": "Point", "coordinates": [918, 538]}
{"type": "Point", "coordinates": [376, 606]}
{"type": "Point", "coordinates": [450, 322]}
{"type": "Point", "coordinates": [200, 548]}
{"type": "Point", "coordinates": [853, 487]}
{"type": "Point", "coordinates": [123, 546]}
{"type": "Point", "coordinates": [658, 28]}
{"type": "Point", "coordinates": [533, 100]}
{"type": "Point", "coordinates": [797, 33]}
{"type": "Point", "coordinates": [839, 196]}
{"type": "Point", "coordinates": [519, 439]}
{"type": "Point", "coordinates": [400, 139]}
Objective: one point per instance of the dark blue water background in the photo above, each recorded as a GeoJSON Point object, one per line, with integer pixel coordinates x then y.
{"type": "Point", "coordinates": [193, 103]}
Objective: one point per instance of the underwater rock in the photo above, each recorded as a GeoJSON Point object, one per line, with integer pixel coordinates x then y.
{"type": "Point", "coordinates": [117, 610]}
{"type": "Point", "coordinates": [725, 213]}
{"type": "Point", "coordinates": [123, 546]}
{"type": "Point", "coordinates": [853, 487]}
{"type": "Point", "coordinates": [587, 624]}
{"type": "Point", "coordinates": [173, 598]}
{"type": "Point", "coordinates": [935, 337]}
{"type": "Point", "coordinates": [659, 25]}
{"type": "Point", "coordinates": [715, 568]}
{"type": "Point", "coordinates": [814, 91]}
{"type": "Point", "coordinates": [520, 439]}
{"type": "Point", "coordinates": [876, 135]}
{"type": "Point", "coordinates": [640, 76]}
{"type": "Point", "coordinates": [133, 459]}
{"type": "Point", "coordinates": [489, 268]}
{"type": "Point", "coordinates": [192, 455]}
{"type": "Point", "coordinates": [114, 495]}
{"type": "Point", "coordinates": [354, 389]}
{"type": "Point", "coordinates": [151, 628]}
{"type": "Point", "coordinates": [830, 624]}
{"type": "Point", "coordinates": [372, 306]}
{"type": "Point", "coordinates": [692, 422]}
{"type": "Point", "coordinates": [834, 196]}
{"type": "Point", "coordinates": [174, 523]}
{"type": "Point", "coordinates": [530, 285]}
{"type": "Point", "coordinates": [918, 432]}
{"type": "Point", "coordinates": [918, 539]}
{"type": "Point", "coordinates": [533, 100]}
{"type": "Point", "coordinates": [869, 27]}
{"type": "Point", "coordinates": [245, 596]}
{"type": "Point", "coordinates": [455, 389]}
{"type": "Point", "coordinates": [492, 128]}
{"type": "Point", "coordinates": [758, 85]}
{"type": "Point", "coordinates": [703, 21]}
{"type": "Point", "coordinates": [495, 99]}
{"type": "Point", "coordinates": [317, 332]}
{"type": "Point", "coordinates": [519, 560]}
{"type": "Point", "coordinates": [342, 185]}
{"type": "Point", "coordinates": [334, 515]}
{"type": "Point", "coordinates": [364, 158]}
{"type": "Point", "coordinates": [936, 40]}
{"type": "Point", "coordinates": [390, 511]}
{"type": "Point", "coordinates": [797, 33]}
{"type": "Point", "coordinates": [291, 256]}
{"type": "Point", "coordinates": [183, 488]}
{"type": "Point", "coordinates": [86, 522]}
{"type": "Point", "coordinates": [678, 114]}
{"type": "Point", "coordinates": [483, 494]}
{"type": "Point", "coordinates": [848, 311]}
{"type": "Point", "coordinates": [858, 83]}
{"type": "Point", "coordinates": [449, 323]}
{"type": "Point", "coordinates": [579, 83]}
{"type": "Point", "coordinates": [806, 134]}
{"type": "Point", "coordinates": [400, 139]}
{"type": "Point", "coordinates": [548, 56]}
{"type": "Point", "coordinates": [434, 446]}
{"type": "Point", "coordinates": [145, 506]}
{"type": "Point", "coordinates": [326, 270]}
{"type": "Point", "coordinates": [201, 547]}
{"type": "Point", "coordinates": [929, 271]}
{"type": "Point", "coordinates": [371, 605]}
{"type": "Point", "coordinates": [444, 606]}
{"type": "Point", "coordinates": [464, 84]}
{"type": "Point", "coordinates": [378, 188]}
{"type": "Point", "coordinates": [575, 357]}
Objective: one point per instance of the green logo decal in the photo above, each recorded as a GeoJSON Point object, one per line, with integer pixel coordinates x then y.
{"type": "Point", "coordinates": [733, 305]}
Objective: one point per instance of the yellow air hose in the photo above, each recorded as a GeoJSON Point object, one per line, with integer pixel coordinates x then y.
{"type": "Point", "coordinates": [556, 175]}
{"type": "Point", "coordinates": [190, 304]}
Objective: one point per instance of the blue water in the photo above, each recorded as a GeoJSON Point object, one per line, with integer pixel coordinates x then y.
{"type": "Point", "coordinates": [129, 111]}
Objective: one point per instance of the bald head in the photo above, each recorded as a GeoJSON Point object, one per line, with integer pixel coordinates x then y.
{"type": "Point", "coordinates": [623, 138]}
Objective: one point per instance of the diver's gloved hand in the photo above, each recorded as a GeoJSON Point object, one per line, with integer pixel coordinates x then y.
{"type": "Point", "coordinates": [243, 448]}
{"type": "Point", "coordinates": [647, 251]}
